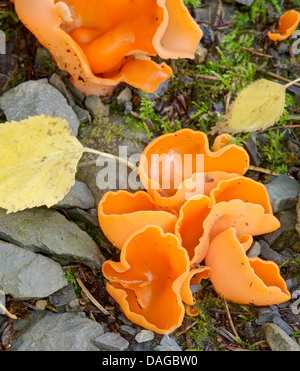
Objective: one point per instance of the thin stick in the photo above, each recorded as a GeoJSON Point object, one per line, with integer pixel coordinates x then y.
{"type": "Point", "coordinates": [199, 76]}
{"type": "Point", "coordinates": [7, 313]}
{"type": "Point", "coordinates": [280, 77]}
{"type": "Point", "coordinates": [292, 83]}
{"type": "Point", "coordinates": [262, 170]}
{"type": "Point", "coordinates": [230, 319]}
{"type": "Point", "coordinates": [283, 127]}
{"type": "Point", "coordinates": [108, 155]}
{"type": "Point", "coordinates": [258, 54]}
{"type": "Point", "coordinates": [92, 299]}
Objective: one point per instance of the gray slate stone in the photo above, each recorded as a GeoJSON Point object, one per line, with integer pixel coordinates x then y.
{"type": "Point", "coordinates": [270, 254]}
{"type": "Point", "coordinates": [168, 344]}
{"type": "Point", "coordinates": [286, 236]}
{"type": "Point", "coordinates": [33, 98]}
{"type": "Point", "coordinates": [245, 2]}
{"type": "Point", "coordinates": [62, 298]}
{"type": "Point", "coordinates": [89, 219]}
{"type": "Point", "coordinates": [144, 336]}
{"type": "Point", "coordinates": [46, 331]}
{"type": "Point", "coordinates": [49, 232]}
{"type": "Point", "coordinates": [278, 340]}
{"type": "Point", "coordinates": [95, 106]}
{"type": "Point", "coordinates": [251, 147]}
{"type": "Point", "coordinates": [254, 250]}
{"type": "Point", "coordinates": [78, 196]}
{"type": "Point", "coordinates": [112, 342]}
{"type": "Point", "coordinates": [124, 97]}
{"type": "Point", "coordinates": [26, 275]}
{"type": "Point", "coordinates": [108, 137]}
{"type": "Point", "coordinates": [283, 192]}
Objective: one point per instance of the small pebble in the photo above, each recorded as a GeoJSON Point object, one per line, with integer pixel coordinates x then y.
{"type": "Point", "coordinates": [144, 336]}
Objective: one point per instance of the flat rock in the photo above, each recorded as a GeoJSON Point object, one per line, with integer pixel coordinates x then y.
{"type": "Point", "coordinates": [168, 344]}
{"type": "Point", "coordinates": [46, 331]}
{"type": "Point", "coordinates": [62, 298]}
{"type": "Point", "coordinates": [245, 2]}
{"type": "Point", "coordinates": [270, 254]}
{"type": "Point", "coordinates": [278, 340]}
{"type": "Point", "coordinates": [26, 275]}
{"type": "Point", "coordinates": [115, 137]}
{"type": "Point", "coordinates": [34, 98]}
{"type": "Point", "coordinates": [49, 232]}
{"type": "Point", "coordinates": [285, 236]}
{"type": "Point", "coordinates": [112, 342]}
{"type": "Point", "coordinates": [283, 192]}
{"type": "Point", "coordinates": [78, 196]}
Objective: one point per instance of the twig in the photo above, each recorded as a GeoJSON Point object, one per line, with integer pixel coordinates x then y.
{"type": "Point", "coordinates": [7, 313]}
{"type": "Point", "coordinates": [222, 311]}
{"type": "Point", "coordinates": [230, 319]}
{"type": "Point", "coordinates": [185, 329]}
{"type": "Point", "coordinates": [92, 299]}
{"type": "Point", "coordinates": [282, 127]}
{"type": "Point", "coordinates": [199, 76]}
{"type": "Point", "coordinates": [272, 74]}
{"type": "Point", "coordinates": [258, 54]}
{"type": "Point", "coordinates": [262, 170]}
{"type": "Point", "coordinates": [108, 155]}
{"type": "Point", "coordinates": [228, 335]}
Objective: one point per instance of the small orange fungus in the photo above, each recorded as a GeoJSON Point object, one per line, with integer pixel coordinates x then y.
{"type": "Point", "coordinates": [165, 233]}
{"type": "Point", "coordinates": [101, 43]}
{"type": "Point", "coordinates": [240, 279]}
{"type": "Point", "coordinates": [288, 23]}
{"type": "Point", "coordinates": [122, 213]}
{"type": "Point", "coordinates": [199, 223]}
{"type": "Point", "coordinates": [178, 164]}
{"type": "Point", "coordinates": [147, 281]}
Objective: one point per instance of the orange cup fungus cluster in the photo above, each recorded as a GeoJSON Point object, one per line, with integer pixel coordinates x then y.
{"type": "Point", "coordinates": [174, 237]}
{"type": "Point", "coordinates": [102, 43]}
{"type": "Point", "coordinates": [288, 23]}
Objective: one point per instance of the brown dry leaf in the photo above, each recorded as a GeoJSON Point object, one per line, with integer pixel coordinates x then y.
{"type": "Point", "coordinates": [38, 159]}
{"type": "Point", "coordinates": [257, 107]}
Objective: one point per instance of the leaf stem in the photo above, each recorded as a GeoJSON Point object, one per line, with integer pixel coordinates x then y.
{"type": "Point", "coordinates": [108, 155]}
{"type": "Point", "coordinates": [292, 83]}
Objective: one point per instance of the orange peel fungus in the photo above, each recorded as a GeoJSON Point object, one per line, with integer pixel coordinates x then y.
{"type": "Point", "coordinates": [122, 213]}
{"type": "Point", "coordinates": [176, 166]}
{"type": "Point", "coordinates": [148, 279]}
{"type": "Point", "coordinates": [211, 232]}
{"type": "Point", "coordinates": [240, 279]}
{"type": "Point", "coordinates": [101, 43]}
{"type": "Point", "coordinates": [288, 23]}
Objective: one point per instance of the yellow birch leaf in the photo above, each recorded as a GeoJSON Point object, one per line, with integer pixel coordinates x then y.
{"type": "Point", "coordinates": [257, 107]}
{"type": "Point", "coordinates": [38, 159]}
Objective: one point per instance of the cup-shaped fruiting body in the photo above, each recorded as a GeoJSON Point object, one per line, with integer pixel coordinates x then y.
{"type": "Point", "coordinates": [288, 23]}
{"type": "Point", "coordinates": [147, 281]}
{"type": "Point", "coordinates": [241, 188]}
{"type": "Point", "coordinates": [101, 43]}
{"type": "Point", "coordinates": [199, 223]}
{"type": "Point", "coordinates": [201, 272]}
{"type": "Point", "coordinates": [179, 165]}
{"type": "Point", "coordinates": [122, 213]}
{"type": "Point", "coordinates": [241, 279]}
